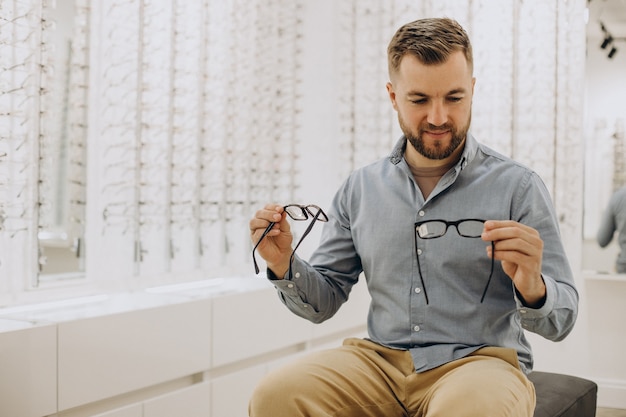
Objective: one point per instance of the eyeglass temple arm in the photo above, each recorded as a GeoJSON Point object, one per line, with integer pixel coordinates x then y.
{"type": "Point", "coordinates": [419, 269]}
{"type": "Point", "coordinates": [306, 232]}
{"type": "Point", "coordinates": [493, 252]}
{"type": "Point", "coordinates": [267, 230]}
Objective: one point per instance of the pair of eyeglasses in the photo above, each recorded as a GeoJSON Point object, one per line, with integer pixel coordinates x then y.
{"type": "Point", "coordinates": [470, 228]}
{"type": "Point", "coordinates": [299, 213]}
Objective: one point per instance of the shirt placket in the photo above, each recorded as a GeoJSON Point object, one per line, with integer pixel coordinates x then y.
{"type": "Point", "coordinates": [419, 294]}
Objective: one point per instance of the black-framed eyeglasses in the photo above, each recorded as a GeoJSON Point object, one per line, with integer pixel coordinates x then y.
{"type": "Point", "coordinates": [296, 212]}
{"type": "Point", "coordinates": [470, 228]}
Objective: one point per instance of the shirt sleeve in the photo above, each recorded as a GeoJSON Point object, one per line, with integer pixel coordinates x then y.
{"type": "Point", "coordinates": [555, 319]}
{"type": "Point", "coordinates": [316, 290]}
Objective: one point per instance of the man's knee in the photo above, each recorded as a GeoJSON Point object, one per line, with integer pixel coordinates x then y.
{"type": "Point", "coordinates": [273, 396]}
{"type": "Point", "coordinates": [476, 403]}
{"type": "Point", "coordinates": [481, 390]}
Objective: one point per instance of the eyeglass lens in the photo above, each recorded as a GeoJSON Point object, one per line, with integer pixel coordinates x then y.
{"type": "Point", "coordinates": [296, 212]}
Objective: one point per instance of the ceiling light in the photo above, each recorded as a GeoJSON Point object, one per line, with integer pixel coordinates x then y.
{"type": "Point", "coordinates": [607, 41]}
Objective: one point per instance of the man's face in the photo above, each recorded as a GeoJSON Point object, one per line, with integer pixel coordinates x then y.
{"type": "Point", "coordinates": [434, 103]}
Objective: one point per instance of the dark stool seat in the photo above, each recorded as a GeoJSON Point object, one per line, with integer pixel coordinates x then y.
{"type": "Point", "coordinates": [563, 395]}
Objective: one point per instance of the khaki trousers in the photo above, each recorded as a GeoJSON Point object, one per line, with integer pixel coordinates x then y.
{"type": "Point", "coordinates": [364, 379]}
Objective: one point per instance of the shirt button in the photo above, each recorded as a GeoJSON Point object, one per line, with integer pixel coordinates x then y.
{"type": "Point", "coordinates": [421, 213]}
{"type": "Point", "coordinates": [416, 328]}
{"type": "Point", "coordinates": [418, 290]}
{"type": "Point", "coordinates": [523, 311]}
{"type": "Point", "coordinates": [289, 285]}
{"type": "Point", "coordinates": [419, 251]}
{"type": "Point", "coordinates": [297, 275]}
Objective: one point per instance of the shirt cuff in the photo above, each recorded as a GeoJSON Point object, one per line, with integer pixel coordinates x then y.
{"type": "Point", "coordinates": [286, 286]}
{"type": "Point", "coordinates": [528, 313]}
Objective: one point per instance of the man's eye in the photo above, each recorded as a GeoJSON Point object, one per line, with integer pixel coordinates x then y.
{"type": "Point", "coordinates": [419, 101]}
{"type": "Point", "coordinates": [455, 99]}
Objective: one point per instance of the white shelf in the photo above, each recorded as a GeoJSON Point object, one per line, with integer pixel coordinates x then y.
{"type": "Point", "coordinates": [603, 276]}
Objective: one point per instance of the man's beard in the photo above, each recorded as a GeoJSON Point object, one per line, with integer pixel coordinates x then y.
{"type": "Point", "coordinates": [437, 151]}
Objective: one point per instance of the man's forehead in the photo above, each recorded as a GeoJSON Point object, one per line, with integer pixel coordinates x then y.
{"type": "Point", "coordinates": [450, 77]}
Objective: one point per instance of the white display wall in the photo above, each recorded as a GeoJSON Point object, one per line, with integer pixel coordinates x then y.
{"type": "Point", "coordinates": [201, 112]}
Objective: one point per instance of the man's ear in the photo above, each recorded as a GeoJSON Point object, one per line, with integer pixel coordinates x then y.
{"type": "Point", "coordinates": [392, 95]}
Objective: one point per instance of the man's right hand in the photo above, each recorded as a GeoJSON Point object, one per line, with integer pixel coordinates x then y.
{"type": "Point", "coordinates": [275, 247]}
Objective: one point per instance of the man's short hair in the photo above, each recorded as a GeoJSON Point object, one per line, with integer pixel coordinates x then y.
{"type": "Point", "coordinates": [430, 40]}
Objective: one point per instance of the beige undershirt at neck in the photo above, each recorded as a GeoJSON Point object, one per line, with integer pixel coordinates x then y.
{"type": "Point", "coordinates": [427, 178]}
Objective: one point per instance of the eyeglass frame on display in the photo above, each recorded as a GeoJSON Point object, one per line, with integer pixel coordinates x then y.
{"type": "Point", "coordinates": [305, 212]}
{"type": "Point", "coordinates": [456, 224]}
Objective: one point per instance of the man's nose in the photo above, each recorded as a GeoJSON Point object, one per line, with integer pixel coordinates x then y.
{"type": "Point", "coordinates": [437, 114]}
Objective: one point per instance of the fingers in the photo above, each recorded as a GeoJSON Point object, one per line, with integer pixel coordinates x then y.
{"type": "Point", "coordinates": [274, 215]}
{"type": "Point", "coordinates": [511, 236]}
{"type": "Point", "coordinates": [520, 250]}
{"type": "Point", "coordinates": [271, 213]}
{"type": "Point", "coordinates": [270, 233]}
{"type": "Point", "coordinates": [506, 227]}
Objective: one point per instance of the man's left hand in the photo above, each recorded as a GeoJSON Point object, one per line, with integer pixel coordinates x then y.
{"type": "Point", "coordinates": [520, 250]}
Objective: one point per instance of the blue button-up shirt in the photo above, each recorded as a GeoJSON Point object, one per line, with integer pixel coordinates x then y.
{"type": "Point", "coordinates": [433, 308]}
